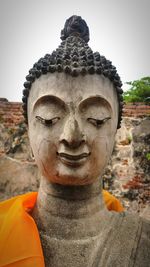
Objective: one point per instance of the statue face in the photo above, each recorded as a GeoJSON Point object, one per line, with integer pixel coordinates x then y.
{"type": "Point", "coordinates": [72, 125]}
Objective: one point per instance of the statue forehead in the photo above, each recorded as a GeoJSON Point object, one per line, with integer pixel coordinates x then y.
{"type": "Point", "coordinates": [72, 88]}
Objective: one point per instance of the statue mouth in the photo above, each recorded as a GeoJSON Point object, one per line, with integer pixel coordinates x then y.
{"type": "Point", "coordinates": [73, 160]}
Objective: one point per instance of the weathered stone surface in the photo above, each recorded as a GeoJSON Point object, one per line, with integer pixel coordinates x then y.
{"type": "Point", "coordinates": [97, 251]}
{"type": "Point", "coordinates": [72, 222]}
{"type": "Point", "coordinates": [128, 175]}
{"type": "Point", "coordinates": [17, 177]}
{"type": "Point", "coordinates": [146, 213]}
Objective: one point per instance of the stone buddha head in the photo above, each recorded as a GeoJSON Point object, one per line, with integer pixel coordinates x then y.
{"type": "Point", "coordinates": [73, 104]}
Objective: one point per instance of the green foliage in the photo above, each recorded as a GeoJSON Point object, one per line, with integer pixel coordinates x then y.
{"type": "Point", "coordinates": [139, 91]}
{"type": "Point", "coordinates": [148, 156]}
{"type": "Point", "coordinates": [129, 139]}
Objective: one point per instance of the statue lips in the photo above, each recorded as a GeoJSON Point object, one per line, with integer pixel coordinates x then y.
{"type": "Point", "coordinates": [73, 160]}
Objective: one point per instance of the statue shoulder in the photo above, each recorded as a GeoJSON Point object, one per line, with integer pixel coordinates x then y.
{"type": "Point", "coordinates": [128, 243]}
{"type": "Point", "coordinates": [142, 247]}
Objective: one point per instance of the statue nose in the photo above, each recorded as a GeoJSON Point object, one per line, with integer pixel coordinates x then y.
{"type": "Point", "coordinates": [72, 135]}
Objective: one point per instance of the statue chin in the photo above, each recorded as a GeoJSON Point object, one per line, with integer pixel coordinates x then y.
{"type": "Point", "coordinates": [71, 176]}
{"type": "Point", "coordinates": [72, 172]}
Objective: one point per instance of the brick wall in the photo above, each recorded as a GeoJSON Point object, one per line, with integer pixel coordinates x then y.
{"type": "Point", "coordinates": [11, 112]}
{"type": "Point", "coordinates": [136, 110]}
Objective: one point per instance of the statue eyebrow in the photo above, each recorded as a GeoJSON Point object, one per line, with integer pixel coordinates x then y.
{"type": "Point", "coordinates": [93, 100]}
{"type": "Point", "coordinates": [50, 99]}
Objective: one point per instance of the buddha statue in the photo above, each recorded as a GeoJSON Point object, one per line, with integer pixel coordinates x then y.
{"type": "Point", "coordinates": [73, 106]}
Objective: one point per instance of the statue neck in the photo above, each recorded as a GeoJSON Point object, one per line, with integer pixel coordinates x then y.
{"type": "Point", "coordinates": [69, 207]}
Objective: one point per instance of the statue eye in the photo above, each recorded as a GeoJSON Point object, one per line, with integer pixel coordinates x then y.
{"type": "Point", "coordinates": [48, 122]}
{"type": "Point", "coordinates": [97, 123]}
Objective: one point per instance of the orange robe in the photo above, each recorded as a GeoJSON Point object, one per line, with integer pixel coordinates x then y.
{"type": "Point", "coordinates": [20, 244]}
{"type": "Point", "coordinates": [112, 202]}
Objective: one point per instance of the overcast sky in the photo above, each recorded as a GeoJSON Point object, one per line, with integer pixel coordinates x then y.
{"type": "Point", "coordinates": [119, 30]}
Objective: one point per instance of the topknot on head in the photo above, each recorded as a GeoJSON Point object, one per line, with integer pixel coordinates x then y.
{"type": "Point", "coordinates": [76, 26]}
{"type": "Point", "coordinates": [74, 57]}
